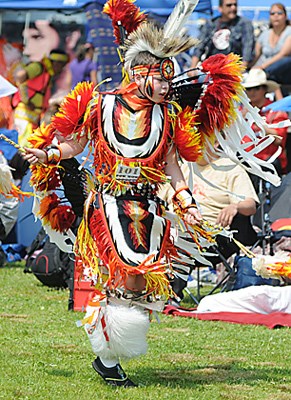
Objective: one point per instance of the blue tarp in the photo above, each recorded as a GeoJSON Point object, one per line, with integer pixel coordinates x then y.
{"type": "Point", "coordinates": [162, 7]}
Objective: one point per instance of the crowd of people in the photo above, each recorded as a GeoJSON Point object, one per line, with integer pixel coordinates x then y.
{"type": "Point", "coordinates": [150, 154]}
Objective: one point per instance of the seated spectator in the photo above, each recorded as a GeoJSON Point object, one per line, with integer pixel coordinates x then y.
{"type": "Point", "coordinates": [225, 34]}
{"type": "Point", "coordinates": [83, 68]}
{"type": "Point", "coordinates": [228, 206]}
{"type": "Point", "coordinates": [273, 47]}
{"type": "Point", "coordinates": [257, 86]}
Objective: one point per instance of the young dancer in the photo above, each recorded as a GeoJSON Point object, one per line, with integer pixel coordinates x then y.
{"type": "Point", "coordinates": [124, 243]}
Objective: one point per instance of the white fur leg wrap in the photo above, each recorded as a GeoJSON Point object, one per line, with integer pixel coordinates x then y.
{"type": "Point", "coordinates": [118, 331]}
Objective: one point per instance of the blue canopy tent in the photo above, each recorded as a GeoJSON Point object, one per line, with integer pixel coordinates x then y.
{"type": "Point", "coordinates": [161, 7]}
{"type": "Point", "coordinates": [254, 10]}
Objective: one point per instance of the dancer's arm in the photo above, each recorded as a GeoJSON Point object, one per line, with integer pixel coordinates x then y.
{"type": "Point", "coordinates": [192, 216]}
{"type": "Point", "coordinates": [68, 149]}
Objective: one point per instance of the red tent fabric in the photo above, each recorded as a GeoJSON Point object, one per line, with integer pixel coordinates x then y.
{"type": "Point", "coordinates": [272, 320]}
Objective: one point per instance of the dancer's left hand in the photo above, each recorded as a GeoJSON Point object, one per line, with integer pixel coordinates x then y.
{"type": "Point", "coordinates": [193, 216]}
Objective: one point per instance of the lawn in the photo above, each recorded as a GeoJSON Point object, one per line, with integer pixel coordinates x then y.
{"type": "Point", "coordinates": [45, 356]}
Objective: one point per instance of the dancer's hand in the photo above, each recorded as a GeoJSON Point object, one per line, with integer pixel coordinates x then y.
{"type": "Point", "coordinates": [35, 156]}
{"type": "Point", "coordinates": [192, 216]}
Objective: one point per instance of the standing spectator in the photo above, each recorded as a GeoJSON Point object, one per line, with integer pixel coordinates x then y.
{"type": "Point", "coordinates": [257, 86]}
{"type": "Point", "coordinates": [273, 48]}
{"type": "Point", "coordinates": [225, 34]}
{"type": "Point", "coordinates": [83, 68]}
{"type": "Point", "coordinates": [34, 82]}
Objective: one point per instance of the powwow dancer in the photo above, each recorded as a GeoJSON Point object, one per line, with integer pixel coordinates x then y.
{"type": "Point", "coordinates": [124, 244]}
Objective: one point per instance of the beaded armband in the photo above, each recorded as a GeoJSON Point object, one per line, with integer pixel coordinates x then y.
{"type": "Point", "coordinates": [183, 199]}
{"type": "Point", "coordinates": [54, 154]}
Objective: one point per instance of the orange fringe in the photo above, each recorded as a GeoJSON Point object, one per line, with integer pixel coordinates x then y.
{"type": "Point", "coordinates": [187, 137]}
{"type": "Point", "coordinates": [97, 245]}
{"type": "Point", "coordinates": [281, 268]}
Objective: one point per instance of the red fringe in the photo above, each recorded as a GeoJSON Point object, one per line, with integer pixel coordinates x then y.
{"type": "Point", "coordinates": [118, 270]}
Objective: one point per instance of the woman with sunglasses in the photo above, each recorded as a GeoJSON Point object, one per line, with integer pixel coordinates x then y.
{"type": "Point", "coordinates": [273, 48]}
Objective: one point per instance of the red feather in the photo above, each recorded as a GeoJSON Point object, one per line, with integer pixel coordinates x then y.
{"type": "Point", "coordinates": [42, 136]}
{"type": "Point", "coordinates": [45, 178]}
{"type": "Point", "coordinates": [59, 217]}
{"type": "Point", "coordinates": [69, 118]}
{"type": "Point", "coordinates": [125, 12]}
{"type": "Point", "coordinates": [216, 110]}
{"type": "Point", "coordinates": [62, 218]}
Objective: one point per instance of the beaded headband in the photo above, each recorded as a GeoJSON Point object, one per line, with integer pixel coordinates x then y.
{"type": "Point", "coordinates": [165, 68]}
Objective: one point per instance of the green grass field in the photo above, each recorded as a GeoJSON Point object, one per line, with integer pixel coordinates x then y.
{"type": "Point", "coordinates": [45, 356]}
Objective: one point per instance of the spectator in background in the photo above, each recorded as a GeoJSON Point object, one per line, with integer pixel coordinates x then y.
{"type": "Point", "coordinates": [257, 86]}
{"type": "Point", "coordinates": [273, 47]}
{"type": "Point", "coordinates": [8, 209]}
{"type": "Point", "coordinates": [228, 206]}
{"type": "Point", "coordinates": [225, 34]}
{"type": "Point", "coordinates": [34, 82]}
{"type": "Point", "coordinates": [83, 68]}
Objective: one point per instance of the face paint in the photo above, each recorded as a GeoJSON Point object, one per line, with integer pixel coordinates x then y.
{"type": "Point", "coordinates": [154, 86]}
{"type": "Point", "coordinates": [149, 86]}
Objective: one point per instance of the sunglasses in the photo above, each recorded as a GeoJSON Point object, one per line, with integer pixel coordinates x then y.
{"type": "Point", "coordinates": [231, 5]}
{"type": "Point", "coordinates": [277, 12]}
{"type": "Point", "coordinates": [256, 88]}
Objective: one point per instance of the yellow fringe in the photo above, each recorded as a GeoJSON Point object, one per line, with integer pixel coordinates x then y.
{"type": "Point", "coordinates": [85, 245]}
{"type": "Point", "coordinates": [244, 249]}
{"type": "Point", "coordinates": [158, 283]}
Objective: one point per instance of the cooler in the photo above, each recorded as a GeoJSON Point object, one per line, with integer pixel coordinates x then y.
{"type": "Point", "coordinates": [82, 293]}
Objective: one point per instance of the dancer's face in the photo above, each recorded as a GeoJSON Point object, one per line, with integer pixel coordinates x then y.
{"type": "Point", "coordinates": [153, 87]}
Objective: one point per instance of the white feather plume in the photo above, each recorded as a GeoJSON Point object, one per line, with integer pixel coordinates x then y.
{"type": "Point", "coordinates": [178, 18]}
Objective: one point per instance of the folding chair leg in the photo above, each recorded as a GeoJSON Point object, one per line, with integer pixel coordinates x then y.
{"type": "Point", "coordinates": [191, 295]}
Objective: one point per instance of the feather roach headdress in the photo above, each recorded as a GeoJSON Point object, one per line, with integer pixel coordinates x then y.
{"type": "Point", "coordinates": [143, 36]}
{"type": "Point", "coordinates": [148, 37]}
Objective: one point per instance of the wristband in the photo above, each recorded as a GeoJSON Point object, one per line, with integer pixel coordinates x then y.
{"type": "Point", "coordinates": [54, 154]}
{"type": "Point", "coordinates": [183, 199]}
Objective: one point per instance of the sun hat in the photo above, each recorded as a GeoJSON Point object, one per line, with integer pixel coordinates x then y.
{"type": "Point", "coordinates": [257, 77]}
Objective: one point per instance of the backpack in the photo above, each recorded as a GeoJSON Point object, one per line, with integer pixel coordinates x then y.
{"type": "Point", "coordinates": [51, 266]}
